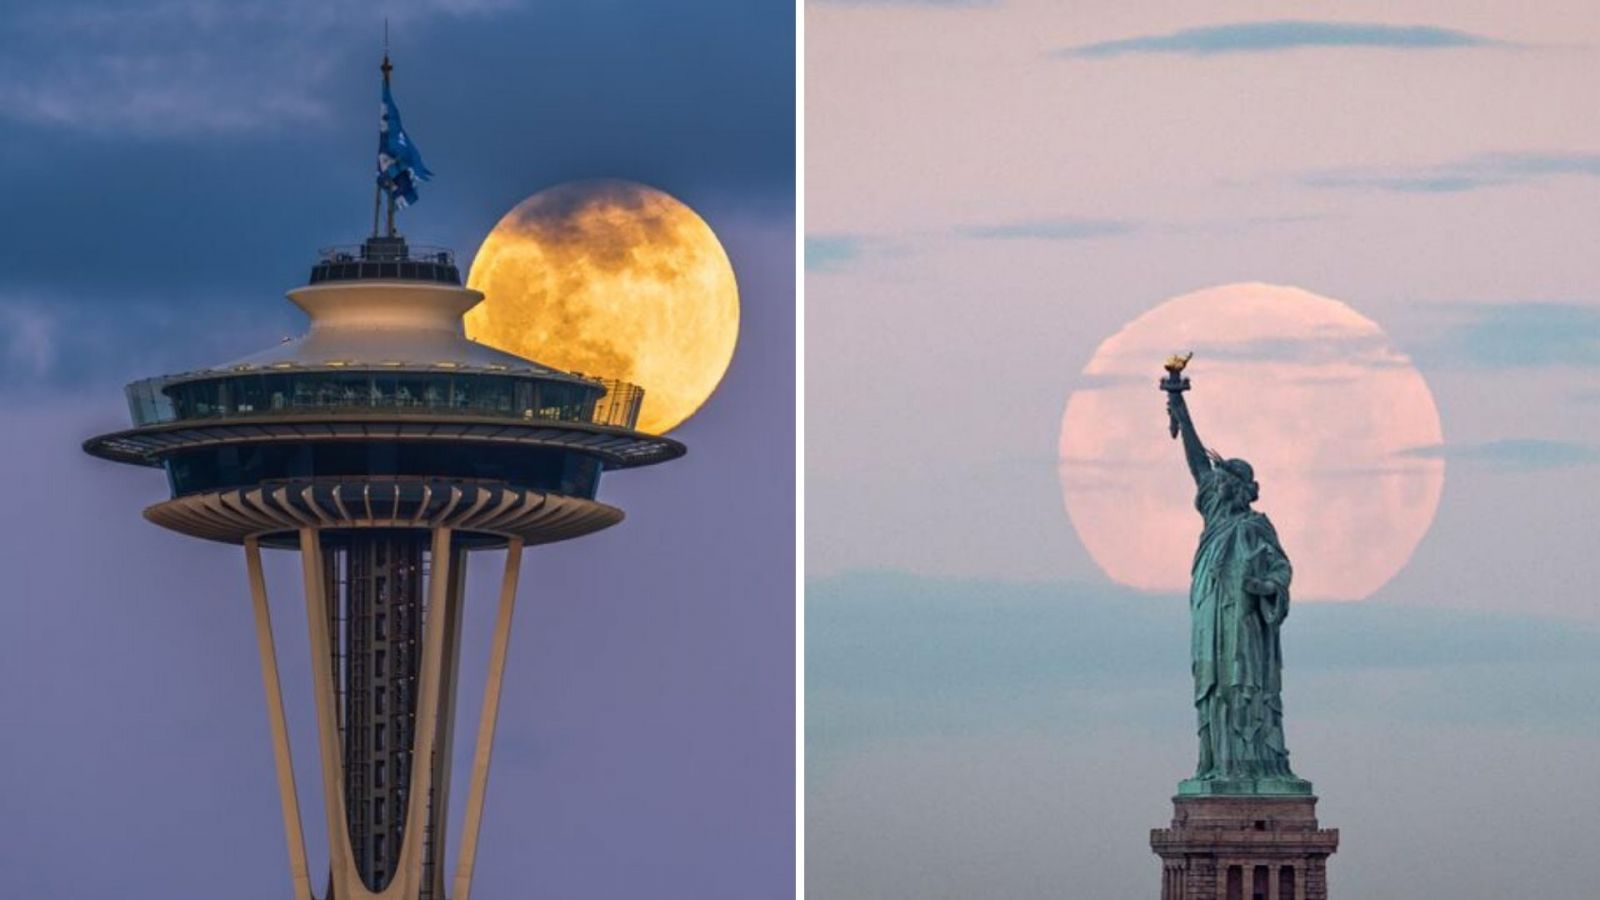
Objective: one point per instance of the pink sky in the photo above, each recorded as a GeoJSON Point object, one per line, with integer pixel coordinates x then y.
{"type": "Point", "coordinates": [939, 359]}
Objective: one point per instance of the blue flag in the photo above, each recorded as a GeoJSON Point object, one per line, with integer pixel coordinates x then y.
{"type": "Point", "coordinates": [399, 161]}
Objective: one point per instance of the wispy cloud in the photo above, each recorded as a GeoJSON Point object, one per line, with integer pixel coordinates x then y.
{"type": "Point", "coordinates": [1276, 36]}
{"type": "Point", "coordinates": [1058, 229]}
{"type": "Point", "coordinates": [1518, 336]}
{"type": "Point", "coordinates": [1075, 228]}
{"type": "Point", "coordinates": [932, 4]}
{"type": "Point", "coordinates": [184, 67]}
{"type": "Point", "coordinates": [1514, 454]}
{"type": "Point", "coordinates": [832, 252]}
{"type": "Point", "coordinates": [1491, 170]}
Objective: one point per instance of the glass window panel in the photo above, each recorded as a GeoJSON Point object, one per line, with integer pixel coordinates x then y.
{"type": "Point", "coordinates": [460, 392]}
{"type": "Point", "coordinates": [249, 394]}
{"type": "Point", "coordinates": [385, 390]}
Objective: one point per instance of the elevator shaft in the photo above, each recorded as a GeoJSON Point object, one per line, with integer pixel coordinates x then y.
{"type": "Point", "coordinates": [377, 581]}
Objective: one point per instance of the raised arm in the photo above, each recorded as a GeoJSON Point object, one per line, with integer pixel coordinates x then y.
{"type": "Point", "coordinates": [1193, 451]}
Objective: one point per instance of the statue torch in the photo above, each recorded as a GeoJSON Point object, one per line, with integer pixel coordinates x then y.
{"type": "Point", "coordinates": [1175, 384]}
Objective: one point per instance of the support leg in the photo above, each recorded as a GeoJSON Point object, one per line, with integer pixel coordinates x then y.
{"type": "Point", "coordinates": [408, 869]}
{"type": "Point", "coordinates": [293, 835]}
{"type": "Point", "coordinates": [486, 723]}
{"type": "Point", "coordinates": [442, 753]}
{"type": "Point", "coordinates": [345, 881]}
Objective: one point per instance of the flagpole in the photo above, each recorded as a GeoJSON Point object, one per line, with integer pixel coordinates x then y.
{"type": "Point", "coordinates": [386, 68]}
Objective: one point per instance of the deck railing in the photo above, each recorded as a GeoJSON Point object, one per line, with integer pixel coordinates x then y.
{"type": "Point", "coordinates": [156, 401]}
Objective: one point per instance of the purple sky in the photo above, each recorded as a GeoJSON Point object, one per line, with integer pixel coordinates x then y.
{"type": "Point", "coordinates": [172, 170]}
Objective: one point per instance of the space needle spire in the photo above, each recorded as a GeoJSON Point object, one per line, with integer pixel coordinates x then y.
{"type": "Point", "coordinates": [399, 161]}
{"type": "Point", "coordinates": [377, 191]}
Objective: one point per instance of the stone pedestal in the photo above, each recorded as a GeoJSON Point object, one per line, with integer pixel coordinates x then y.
{"type": "Point", "coordinates": [1244, 848]}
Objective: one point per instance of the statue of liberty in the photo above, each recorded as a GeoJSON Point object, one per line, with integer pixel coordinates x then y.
{"type": "Point", "coordinates": [1238, 599]}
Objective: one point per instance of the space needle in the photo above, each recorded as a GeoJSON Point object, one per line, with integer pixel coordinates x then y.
{"type": "Point", "coordinates": [384, 446]}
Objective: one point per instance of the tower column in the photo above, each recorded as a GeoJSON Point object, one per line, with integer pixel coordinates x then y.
{"type": "Point", "coordinates": [293, 835]}
{"type": "Point", "coordinates": [347, 878]}
{"type": "Point", "coordinates": [487, 721]}
{"type": "Point", "coordinates": [381, 608]}
{"type": "Point", "coordinates": [439, 806]}
{"type": "Point", "coordinates": [340, 861]}
{"type": "Point", "coordinates": [407, 880]}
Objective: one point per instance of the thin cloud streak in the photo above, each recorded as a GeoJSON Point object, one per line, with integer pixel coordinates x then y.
{"type": "Point", "coordinates": [1277, 36]}
{"type": "Point", "coordinates": [832, 252]}
{"type": "Point", "coordinates": [1476, 173]}
{"type": "Point", "coordinates": [1513, 454]}
{"type": "Point", "coordinates": [1371, 351]}
{"type": "Point", "coordinates": [1074, 228]}
{"type": "Point", "coordinates": [930, 4]}
{"type": "Point", "coordinates": [1524, 335]}
{"type": "Point", "coordinates": [1063, 229]}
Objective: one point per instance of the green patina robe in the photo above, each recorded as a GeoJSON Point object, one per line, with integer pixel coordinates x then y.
{"type": "Point", "coordinates": [1234, 636]}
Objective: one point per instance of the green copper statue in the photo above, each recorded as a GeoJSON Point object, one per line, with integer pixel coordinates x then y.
{"type": "Point", "coordinates": [1238, 599]}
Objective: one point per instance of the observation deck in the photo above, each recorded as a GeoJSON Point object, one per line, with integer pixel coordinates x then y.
{"type": "Point", "coordinates": [383, 390]}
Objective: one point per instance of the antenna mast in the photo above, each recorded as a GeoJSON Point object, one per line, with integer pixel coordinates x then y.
{"type": "Point", "coordinates": [377, 197]}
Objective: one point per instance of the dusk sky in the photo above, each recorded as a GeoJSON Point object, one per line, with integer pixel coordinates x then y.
{"type": "Point", "coordinates": [993, 190]}
{"type": "Point", "coordinates": [1002, 199]}
{"type": "Point", "coordinates": [170, 169]}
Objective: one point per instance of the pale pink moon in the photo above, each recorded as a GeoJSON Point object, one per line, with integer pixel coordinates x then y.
{"type": "Point", "coordinates": [1309, 391]}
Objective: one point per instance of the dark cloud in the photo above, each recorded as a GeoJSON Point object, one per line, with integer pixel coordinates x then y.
{"type": "Point", "coordinates": [212, 146]}
{"type": "Point", "coordinates": [1270, 37]}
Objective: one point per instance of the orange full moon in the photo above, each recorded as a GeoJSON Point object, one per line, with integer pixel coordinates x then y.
{"type": "Point", "coordinates": [612, 279]}
{"type": "Point", "coordinates": [1306, 389]}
